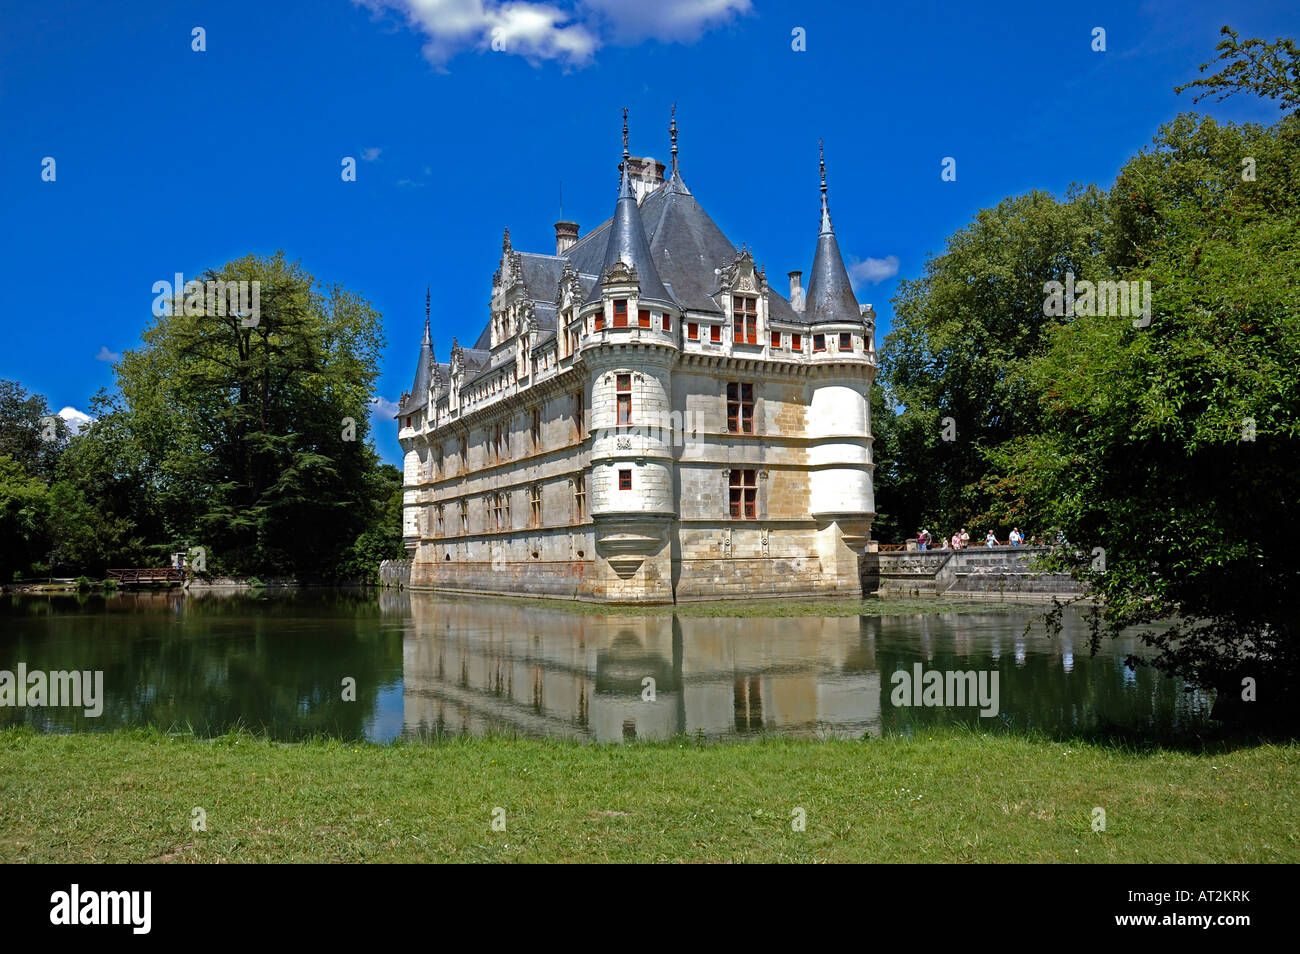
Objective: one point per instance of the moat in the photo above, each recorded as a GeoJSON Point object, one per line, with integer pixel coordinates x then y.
{"type": "Point", "coordinates": [424, 665]}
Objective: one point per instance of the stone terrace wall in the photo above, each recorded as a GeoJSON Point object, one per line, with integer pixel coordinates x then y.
{"type": "Point", "coordinates": [976, 573]}
{"type": "Point", "coordinates": [395, 573]}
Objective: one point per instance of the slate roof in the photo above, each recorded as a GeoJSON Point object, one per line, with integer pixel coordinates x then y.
{"type": "Point", "coordinates": [676, 248]}
{"type": "Point", "coordinates": [830, 293]}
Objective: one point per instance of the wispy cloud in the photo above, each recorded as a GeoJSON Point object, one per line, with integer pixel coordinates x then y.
{"type": "Point", "coordinates": [106, 355]}
{"type": "Point", "coordinates": [371, 153]}
{"type": "Point", "coordinates": [569, 32]}
{"type": "Point", "coordinates": [76, 420]}
{"type": "Point", "coordinates": [384, 408]}
{"type": "Point", "coordinates": [872, 271]}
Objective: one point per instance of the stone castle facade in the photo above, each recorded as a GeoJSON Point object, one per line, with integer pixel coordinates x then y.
{"type": "Point", "coordinates": [646, 420]}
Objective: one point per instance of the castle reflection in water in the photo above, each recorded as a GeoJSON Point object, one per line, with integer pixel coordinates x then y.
{"type": "Point", "coordinates": [474, 666]}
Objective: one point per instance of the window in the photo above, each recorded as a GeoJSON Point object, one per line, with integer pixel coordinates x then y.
{"type": "Point", "coordinates": [580, 496]}
{"type": "Point", "coordinates": [494, 504]}
{"type": "Point", "coordinates": [620, 312]}
{"type": "Point", "coordinates": [744, 495]}
{"type": "Point", "coordinates": [623, 388]}
{"type": "Point", "coordinates": [442, 526]}
{"type": "Point", "coordinates": [643, 318]}
{"type": "Point", "coordinates": [535, 504]}
{"type": "Point", "coordinates": [740, 408]}
{"type": "Point", "coordinates": [537, 428]}
{"type": "Point", "coordinates": [796, 342]}
{"type": "Point", "coordinates": [776, 339]}
{"type": "Point", "coordinates": [579, 415]}
{"type": "Point", "coordinates": [715, 333]}
{"type": "Point", "coordinates": [499, 445]}
{"type": "Point", "coordinates": [666, 321]}
{"type": "Point", "coordinates": [846, 341]}
{"type": "Point", "coordinates": [625, 480]}
{"type": "Point", "coordinates": [819, 342]}
{"type": "Point", "coordinates": [692, 331]}
{"type": "Point", "coordinates": [600, 319]}
{"type": "Point", "coordinates": [408, 421]}
{"type": "Point", "coordinates": [744, 312]}
{"type": "Point", "coordinates": [464, 517]}
{"type": "Point", "coordinates": [505, 509]}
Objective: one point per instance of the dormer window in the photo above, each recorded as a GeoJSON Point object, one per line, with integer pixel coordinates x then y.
{"type": "Point", "coordinates": [620, 312]}
{"type": "Point", "coordinates": [744, 312]}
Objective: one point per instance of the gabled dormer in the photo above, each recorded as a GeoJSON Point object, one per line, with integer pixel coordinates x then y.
{"type": "Point", "coordinates": [743, 295]}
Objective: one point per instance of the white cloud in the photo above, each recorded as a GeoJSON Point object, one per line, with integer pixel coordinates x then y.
{"type": "Point", "coordinates": [76, 420]}
{"type": "Point", "coordinates": [872, 271]}
{"type": "Point", "coordinates": [106, 355]}
{"type": "Point", "coordinates": [384, 408]}
{"type": "Point", "coordinates": [371, 153]}
{"type": "Point", "coordinates": [569, 31]}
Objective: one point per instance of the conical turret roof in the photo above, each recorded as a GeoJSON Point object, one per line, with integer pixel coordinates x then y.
{"type": "Point", "coordinates": [830, 293]}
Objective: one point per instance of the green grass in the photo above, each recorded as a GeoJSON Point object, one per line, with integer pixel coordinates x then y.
{"type": "Point", "coordinates": [953, 796]}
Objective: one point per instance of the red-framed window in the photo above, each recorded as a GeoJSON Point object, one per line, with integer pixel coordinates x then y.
{"type": "Point", "coordinates": [625, 480]}
{"type": "Point", "coordinates": [846, 341]}
{"type": "Point", "coordinates": [744, 495]}
{"type": "Point", "coordinates": [620, 312]}
{"type": "Point", "coordinates": [744, 314]}
{"type": "Point", "coordinates": [600, 319]}
{"type": "Point", "coordinates": [715, 333]}
{"type": "Point", "coordinates": [667, 321]}
{"type": "Point", "coordinates": [692, 331]}
{"type": "Point", "coordinates": [740, 407]}
{"type": "Point", "coordinates": [819, 342]}
{"type": "Point", "coordinates": [776, 339]}
{"type": "Point", "coordinates": [623, 390]}
{"type": "Point", "coordinates": [643, 318]}
{"type": "Point", "coordinates": [796, 342]}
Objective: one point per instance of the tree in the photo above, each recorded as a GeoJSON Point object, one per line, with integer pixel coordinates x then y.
{"type": "Point", "coordinates": [961, 332]}
{"type": "Point", "coordinates": [256, 430]}
{"type": "Point", "coordinates": [1269, 70]}
{"type": "Point", "coordinates": [1172, 452]}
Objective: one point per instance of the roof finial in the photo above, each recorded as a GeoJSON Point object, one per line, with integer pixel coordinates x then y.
{"type": "Point", "coordinates": [505, 240]}
{"type": "Point", "coordinates": [427, 302]}
{"type": "Point", "coordinates": [672, 129]}
{"type": "Point", "coordinates": [826, 211]}
{"type": "Point", "coordinates": [625, 152]}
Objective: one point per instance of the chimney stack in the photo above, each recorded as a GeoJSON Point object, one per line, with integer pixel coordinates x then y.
{"type": "Point", "coordinates": [566, 235]}
{"type": "Point", "coordinates": [647, 174]}
{"type": "Point", "coordinates": [796, 290]}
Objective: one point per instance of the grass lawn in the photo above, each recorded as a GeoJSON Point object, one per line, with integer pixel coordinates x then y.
{"type": "Point", "coordinates": [953, 796]}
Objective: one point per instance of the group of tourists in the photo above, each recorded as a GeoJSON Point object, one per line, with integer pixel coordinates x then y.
{"type": "Point", "coordinates": [961, 540]}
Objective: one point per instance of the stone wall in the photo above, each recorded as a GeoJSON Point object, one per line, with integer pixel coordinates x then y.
{"type": "Point", "coordinates": [976, 573]}
{"type": "Point", "coordinates": [395, 573]}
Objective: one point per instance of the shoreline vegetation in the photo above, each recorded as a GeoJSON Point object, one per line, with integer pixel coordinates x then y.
{"type": "Point", "coordinates": [946, 795]}
{"type": "Point", "coordinates": [771, 608]}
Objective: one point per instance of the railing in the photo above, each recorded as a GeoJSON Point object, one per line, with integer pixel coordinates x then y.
{"type": "Point", "coordinates": [164, 574]}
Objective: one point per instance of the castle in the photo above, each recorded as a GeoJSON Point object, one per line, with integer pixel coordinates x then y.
{"type": "Point", "coordinates": [644, 419]}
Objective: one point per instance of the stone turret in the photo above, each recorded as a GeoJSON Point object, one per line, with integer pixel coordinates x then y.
{"type": "Point", "coordinates": [842, 499]}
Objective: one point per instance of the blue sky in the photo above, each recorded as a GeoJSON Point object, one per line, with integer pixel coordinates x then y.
{"type": "Point", "coordinates": [170, 160]}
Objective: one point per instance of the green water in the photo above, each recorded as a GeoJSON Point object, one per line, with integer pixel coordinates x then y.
{"type": "Point", "coordinates": [422, 665]}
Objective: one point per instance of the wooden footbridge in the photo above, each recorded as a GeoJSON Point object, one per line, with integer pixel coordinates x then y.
{"type": "Point", "coordinates": [148, 576]}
